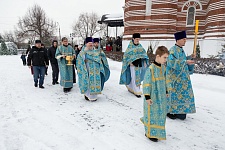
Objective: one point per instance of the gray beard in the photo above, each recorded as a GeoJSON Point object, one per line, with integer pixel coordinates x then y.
{"type": "Point", "coordinates": [87, 48]}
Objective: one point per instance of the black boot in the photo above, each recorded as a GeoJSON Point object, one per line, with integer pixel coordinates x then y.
{"type": "Point", "coordinates": [35, 84]}
{"type": "Point", "coordinates": [53, 82]}
{"type": "Point", "coordinates": [86, 98]}
{"type": "Point", "coordinates": [41, 86]}
{"type": "Point", "coordinates": [65, 90]}
{"type": "Point", "coordinates": [171, 116]}
{"type": "Point", "coordinates": [56, 82]}
{"type": "Point", "coordinates": [152, 139]}
{"type": "Point", "coordinates": [138, 96]}
{"type": "Point", "coordinates": [69, 89]}
{"type": "Point", "coordinates": [181, 116]}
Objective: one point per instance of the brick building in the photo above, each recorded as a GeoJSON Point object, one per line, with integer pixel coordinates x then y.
{"type": "Point", "coordinates": [158, 20]}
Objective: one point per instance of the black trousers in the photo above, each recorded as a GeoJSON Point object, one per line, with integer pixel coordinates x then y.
{"type": "Point", "coordinates": [55, 72]}
{"type": "Point", "coordinates": [74, 75]}
{"type": "Point", "coordinates": [24, 62]}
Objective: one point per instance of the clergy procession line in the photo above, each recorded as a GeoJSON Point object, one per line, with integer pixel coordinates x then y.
{"type": "Point", "coordinates": [167, 88]}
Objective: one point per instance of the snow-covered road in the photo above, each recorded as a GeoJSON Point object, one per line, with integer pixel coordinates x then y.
{"type": "Point", "coordinates": [47, 119]}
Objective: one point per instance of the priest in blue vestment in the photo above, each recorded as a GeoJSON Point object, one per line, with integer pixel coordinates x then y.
{"type": "Point", "coordinates": [178, 70]}
{"type": "Point", "coordinates": [104, 61]}
{"type": "Point", "coordinates": [66, 70]}
{"type": "Point", "coordinates": [92, 73]}
{"type": "Point", "coordinates": [135, 63]}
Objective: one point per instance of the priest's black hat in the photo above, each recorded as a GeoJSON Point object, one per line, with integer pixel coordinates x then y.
{"type": "Point", "coordinates": [88, 39]}
{"type": "Point", "coordinates": [136, 35]}
{"type": "Point", "coordinates": [96, 40]}
{"type": "Point", "coordinates": [180, 35]}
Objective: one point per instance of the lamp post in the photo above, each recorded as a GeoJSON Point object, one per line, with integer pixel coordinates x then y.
{"type": "Point", "coordinates": [72, 35]}
{"type": "Point", "coordinates": [59, 31]}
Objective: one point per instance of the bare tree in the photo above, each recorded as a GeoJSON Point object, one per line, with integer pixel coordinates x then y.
{"type": "Point", "coordinates": [35, 24]}
{"type": "Point", "coordinates": [87, 25]}
{"type": "Point", "coordinates": [9, 37]}
{"type": "Point", "coordinates": [152, 47]}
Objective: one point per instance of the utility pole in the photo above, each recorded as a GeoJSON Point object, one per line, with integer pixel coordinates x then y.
{"type": "Point", "coordinates": [59, 32]}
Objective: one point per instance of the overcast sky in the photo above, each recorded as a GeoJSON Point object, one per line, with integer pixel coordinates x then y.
{"type": "Point", "coordinates": [65, 11]}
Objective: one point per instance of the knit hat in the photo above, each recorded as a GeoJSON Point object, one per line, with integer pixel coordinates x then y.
{"type": "Point", "coordinates": [37, 41]}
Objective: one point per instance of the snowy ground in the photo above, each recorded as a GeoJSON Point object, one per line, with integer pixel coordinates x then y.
{"type": "Point", "coordinates": [47, 119]}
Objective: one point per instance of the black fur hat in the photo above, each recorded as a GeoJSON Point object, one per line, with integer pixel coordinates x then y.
{"type": "Point", "coordinates": [136, 35]}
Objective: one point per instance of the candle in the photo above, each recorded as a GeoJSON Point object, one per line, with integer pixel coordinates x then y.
{"type": "Point", "coordinates": [196, 26]}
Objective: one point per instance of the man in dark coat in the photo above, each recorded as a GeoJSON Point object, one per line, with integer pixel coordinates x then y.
{"type": "Point", "coordinates": [39, 60]}
{"type": "Point", "coordinates": [54, 62]}
{"type": "Point", "coordinates": [118, 44]}
{"type": "Point", "coordinates": [28, 50]}
{"type": "Point", "coordinates": [77, 51]}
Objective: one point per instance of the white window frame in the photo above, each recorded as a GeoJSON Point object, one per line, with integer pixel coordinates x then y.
{"type": "Point", "coordinates": [187, 17]}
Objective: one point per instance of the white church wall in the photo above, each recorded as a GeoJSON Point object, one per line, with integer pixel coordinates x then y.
{"type": "Point", "coordinates": [211, 47]}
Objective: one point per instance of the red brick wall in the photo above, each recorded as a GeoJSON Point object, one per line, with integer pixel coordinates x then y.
{"type": "Point", "coordinates": [137, 21]}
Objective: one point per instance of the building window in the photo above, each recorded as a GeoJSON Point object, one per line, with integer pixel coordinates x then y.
{"type": "Point", "coordinates": [191, 7]}
{"type": "Point", "coordinates": [191, 16]}
{"type": "Point", "coordinates": [148, 7]}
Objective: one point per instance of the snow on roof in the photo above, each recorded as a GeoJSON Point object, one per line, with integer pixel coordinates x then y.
{"type": "Point", "coordinates": [114, 17]}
